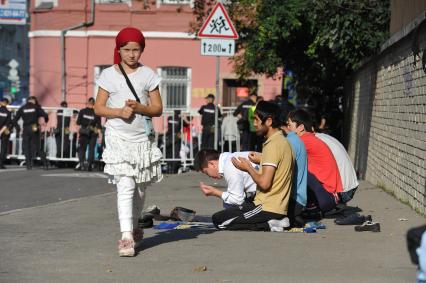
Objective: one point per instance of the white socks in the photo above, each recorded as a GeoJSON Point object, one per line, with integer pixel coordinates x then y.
{"type": "Point", "coordinates": [279, 225]}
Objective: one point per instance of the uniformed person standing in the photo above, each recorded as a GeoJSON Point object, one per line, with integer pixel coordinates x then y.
{"type": "Point", "coordinates": [90, 129]}
{"type": "Point", "coordinates": [243, 122]}
{"type": "Point", "coordinates": [30, 114]}
{"type": "Point", "coordinates": [62, 132]}
{"type": "Point", "coordinates": [5, 119]}
{"type": "Point", "coordinates": [207, 113]}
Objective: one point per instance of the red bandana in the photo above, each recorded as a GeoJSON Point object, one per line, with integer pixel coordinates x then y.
{"type": "Point", "coordinates": [126, 35]}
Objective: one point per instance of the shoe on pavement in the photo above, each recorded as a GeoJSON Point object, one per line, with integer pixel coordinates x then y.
{"type": "Point", "coordinates": [151, 210]}
{"type": "Point", "coordinates": [353, 219]}
{"type": "Point", "coordinates": [146, 221]}
{"type": "Point", "coordinates": [368, 226]}
{"type": "Point", "coordinates": [126, 247]}
{"type": "Point", "coordinates": [276, 225]}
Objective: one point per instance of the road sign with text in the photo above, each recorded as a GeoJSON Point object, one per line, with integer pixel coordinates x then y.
{"type": "Point", "coordinates": [217, 47]}
{"type": "Point", "coordinates": [218, 25]}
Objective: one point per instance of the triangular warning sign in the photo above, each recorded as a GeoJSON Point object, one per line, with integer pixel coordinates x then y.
{"type": "Point", "coordinates": [218, 24]}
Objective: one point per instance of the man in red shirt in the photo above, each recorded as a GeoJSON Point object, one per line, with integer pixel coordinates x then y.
{"type": "Point", "coordinates": [324, 180]}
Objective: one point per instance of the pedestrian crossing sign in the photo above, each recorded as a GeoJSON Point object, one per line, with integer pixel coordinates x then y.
{"type": "Point", "coordinates": [218, 25]}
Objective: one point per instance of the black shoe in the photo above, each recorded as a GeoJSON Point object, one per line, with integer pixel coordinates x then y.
{"type": "Point", "coordinates": [2, 167]}
{"type": "Point", "coordinates": [368, 226]}
{"type": "Point", "coordinates": [146, 222]}
{"type": "Point", "coordinates": [89, 168]}
{"type": "Point", "coordinates": [353, 219]}
{"type": "Point", "coordinates": [151, 210]}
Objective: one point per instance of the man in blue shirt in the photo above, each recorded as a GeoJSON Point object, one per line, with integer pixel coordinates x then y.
{"type": "Point", "coordinates": [299, 191]}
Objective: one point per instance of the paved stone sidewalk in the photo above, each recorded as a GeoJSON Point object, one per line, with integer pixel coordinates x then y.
{"type": "Point", "coordinates": [75, 241]}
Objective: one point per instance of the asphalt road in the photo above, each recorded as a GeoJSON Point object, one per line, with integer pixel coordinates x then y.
{"type": "Point", "coordinates": [75, 240]}
{"type": "Point", "coordinates": [21, 188]}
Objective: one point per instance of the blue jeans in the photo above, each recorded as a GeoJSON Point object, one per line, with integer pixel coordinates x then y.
{"type": "Point", "coordinates": [319, 195]}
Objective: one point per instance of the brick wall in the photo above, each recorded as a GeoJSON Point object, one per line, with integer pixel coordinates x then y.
{"type": "Point", "coordinates": [386, 125]}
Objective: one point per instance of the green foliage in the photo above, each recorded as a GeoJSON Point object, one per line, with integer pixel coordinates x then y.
{"type": "Point", "coordinates": [320, 40]}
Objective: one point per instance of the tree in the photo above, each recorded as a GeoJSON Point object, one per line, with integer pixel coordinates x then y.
{"type": "Point", "coordinates": [321, 41]}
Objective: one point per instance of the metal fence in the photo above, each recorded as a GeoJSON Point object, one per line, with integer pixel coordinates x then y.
{"type": "Point", "coordinates": [177, 133]}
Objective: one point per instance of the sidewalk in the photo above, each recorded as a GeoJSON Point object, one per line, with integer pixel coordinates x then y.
{"type": "Point", "coordinates": [75, 241]}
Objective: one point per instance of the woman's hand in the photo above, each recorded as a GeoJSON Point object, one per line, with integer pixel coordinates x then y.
{"type": "Point", "coordinates": [126, 113]}
{"type": "Point", "coordinates": [132, 104]}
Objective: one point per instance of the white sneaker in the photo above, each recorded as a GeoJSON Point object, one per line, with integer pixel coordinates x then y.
{"type": "Point", "coordinates": [276, 228]}
{"type": "Point", "coordinates": [278, 225]}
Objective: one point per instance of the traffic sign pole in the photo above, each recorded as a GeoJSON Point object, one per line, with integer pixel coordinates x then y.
{"type": "Point", "coordinates": [218, 39]}
{"type": "Point", "coordinates": [216, 110]}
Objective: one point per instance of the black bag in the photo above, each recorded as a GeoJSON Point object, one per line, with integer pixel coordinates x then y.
{"type": "Point", "coordinates": [182, 214]}
{"type": "Point", "coordinates": [85, 131]}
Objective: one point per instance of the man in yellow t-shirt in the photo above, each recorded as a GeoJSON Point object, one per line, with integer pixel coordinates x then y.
{"type": "Point", "coordinates": [274, 180]}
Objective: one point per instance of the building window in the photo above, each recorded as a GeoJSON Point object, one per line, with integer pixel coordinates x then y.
{"type": "Point", "coordinates": [46, 4]}
{"type": "Point", "coordinates": [175, 86]}
{"type": "Point", "coordinates": [176, 1]}
{"type": "Point", "coordinates": [113, 1]}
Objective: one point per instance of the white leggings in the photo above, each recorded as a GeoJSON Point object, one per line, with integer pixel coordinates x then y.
{"type": "Point", "coordinates": [130, 201]}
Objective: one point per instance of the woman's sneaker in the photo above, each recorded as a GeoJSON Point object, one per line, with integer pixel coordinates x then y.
{"type": "Point", "coordinates": [126, 247]}
{"type": "Point", "coordinates": [368, 226]}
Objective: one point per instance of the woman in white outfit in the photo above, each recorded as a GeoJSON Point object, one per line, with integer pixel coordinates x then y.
{"type": "Point", "coordinates": [131, 158]}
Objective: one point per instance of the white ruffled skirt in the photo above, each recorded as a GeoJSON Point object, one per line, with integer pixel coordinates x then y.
{"type": "Point", "coordinates": [141, 160]}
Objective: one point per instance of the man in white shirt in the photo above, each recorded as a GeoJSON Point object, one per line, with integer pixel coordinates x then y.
{"type": "Point", "coordinates": [215, 165]}
{"type": "Point", "coordinates": [344, 163]}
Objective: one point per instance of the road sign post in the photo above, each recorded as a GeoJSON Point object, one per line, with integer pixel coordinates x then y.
{"type": "Point", "coordinates": [217, 39]}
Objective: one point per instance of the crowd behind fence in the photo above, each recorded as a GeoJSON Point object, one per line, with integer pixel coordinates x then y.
{"type": "Point", "coordinates": [177, 133]}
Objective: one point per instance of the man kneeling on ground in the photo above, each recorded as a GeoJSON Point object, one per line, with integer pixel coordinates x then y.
{"type": "Point", "coordinates": [241, 186]}
{"type": "Point", "coordinates": [274, 179]}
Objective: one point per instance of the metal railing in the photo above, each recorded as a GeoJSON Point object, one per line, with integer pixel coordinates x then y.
{"type": "Point", "coordinates": [177, 133]}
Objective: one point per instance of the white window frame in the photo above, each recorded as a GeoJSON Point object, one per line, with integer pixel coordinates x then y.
{"type": "Point", "coordinates": [188, 86]}
{"type": "Point", "coordinates": [128, 2]}
{"type": "Point", "coordinates": [39, 2]}
{"type": "Point", "coordinates": [174, 2]}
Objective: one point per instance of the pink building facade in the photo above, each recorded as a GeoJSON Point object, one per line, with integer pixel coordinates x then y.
{"type": "Point", "coordinates": [187, 76]}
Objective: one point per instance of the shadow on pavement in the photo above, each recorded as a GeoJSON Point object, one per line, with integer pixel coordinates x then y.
{"type": "Point", "coordinates": [174, 235]}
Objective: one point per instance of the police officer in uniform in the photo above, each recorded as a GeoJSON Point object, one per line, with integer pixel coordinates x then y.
{"type": "Point", "coordinates": [5, 119]}
{"type": "Point", "coordinates": [207, 113]}
{"type": "Point", "coordinates": [30, 114]}
{"type": "Point", "coordinates": [62, 132]}
{"type": "Point", "coordinates": [243, 122]}
{"type": "Point", "coordinates": [90, 128]}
